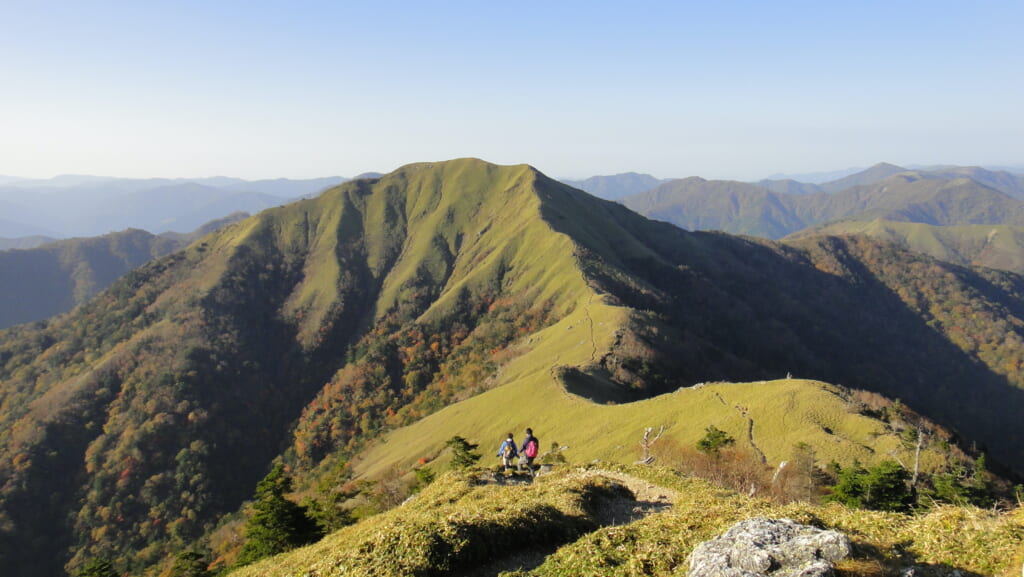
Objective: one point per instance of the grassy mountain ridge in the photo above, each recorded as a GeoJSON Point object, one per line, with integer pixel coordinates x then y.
{"type": "Point", "coordinates": [585, 522]}
{"type": "Point", "coordinates": [212, 352]}
{"type": "Point", "coordinates": [767, 418]}
{"type": "Point", "coordinates": [136, 421]}
{"type": "Point", "coordinates": [728, 309]}
{"type": "Point", "coordinates": [1000, 247]}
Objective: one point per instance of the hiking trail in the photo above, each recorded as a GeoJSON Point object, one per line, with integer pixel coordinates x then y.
{"type": "Point", "coordinates": [649, 499]}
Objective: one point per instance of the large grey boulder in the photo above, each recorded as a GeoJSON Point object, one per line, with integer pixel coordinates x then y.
{"type": "Point", "coordinates": [775, 547]}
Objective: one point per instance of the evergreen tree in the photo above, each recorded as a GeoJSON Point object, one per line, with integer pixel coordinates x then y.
{"type": "Point", "coordinates": [887, 488]}
{"type": "Point", "coordinates": [424, 477]}
{"type": "Point", "coordinates": [882, 487]}
{"type": "Point", "coordinates": [849, 489]}
{"type": "Point", "coordinates": [98, 567]}
{"type": "Point", "coordinates": [946, 487]}
{"type": "Point", "coordinates": [191, 564]}
{"type": "Point", "coordinates": [277, 525]}
{"type": "Point", "coordinates": [464, 453]}
{"type": "Point", "coordinates": [714, 440]}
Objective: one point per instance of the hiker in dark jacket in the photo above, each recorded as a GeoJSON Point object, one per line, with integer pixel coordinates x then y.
{"type": "Point", "coordinates": [528, 452]}
{"type": "Point", "coordinates": [508, 452]}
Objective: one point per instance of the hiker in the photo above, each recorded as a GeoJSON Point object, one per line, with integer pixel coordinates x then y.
{"type": "Point", "coordinates": [508, 452]}
{"type": "Point", "coordinates": [529, 450]}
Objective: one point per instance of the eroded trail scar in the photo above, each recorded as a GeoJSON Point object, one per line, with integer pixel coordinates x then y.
{"type": "Point", "coordinates": [590, 321]}
{"type": "Point", "coordinates": [750, 433]}
{"type": "Point", "coordinates": [648, 499]}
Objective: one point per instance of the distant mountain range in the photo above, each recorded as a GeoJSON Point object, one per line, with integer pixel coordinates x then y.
{"type": "Point", "coordinates": [38, 282]}
{"type": "Point", "coordinates": [615, 186]}
{"type": "Point", "coordinates": [778, 208]}
{"type": "Point", "coordinates": [353, 333]}
{"type": "Point", "coordinates": [74, 205]}
{"type": "Point", "coordinates": [963, 215]}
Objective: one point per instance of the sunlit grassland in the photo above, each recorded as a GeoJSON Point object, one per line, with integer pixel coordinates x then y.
{"type": "Point", "coordinates": [454, 523]}
{"type": "Point", "coordinates": [784, 413]}
{"type": "Point", "coordinates": [994, 246]}
{"type": "Point", "coordinates": [971, 539]}
{"type": "Point", "coordinates": [458, 523]}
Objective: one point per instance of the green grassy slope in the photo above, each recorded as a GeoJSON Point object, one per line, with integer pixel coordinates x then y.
{"type": "Point", "coordinates": [766, 418]}
{"type": "Point", "coordinates": [464, 525]}
{"type": "Point", "coordinates": [993, 246]}
{"type": "Point", "coordinates": [129, 426]}
{"type": "Point", "coordinates": [964, 539]}
{"type": "Point", "coordinates": [179, 383]}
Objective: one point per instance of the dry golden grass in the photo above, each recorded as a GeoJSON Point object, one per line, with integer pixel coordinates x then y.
{"type": "Point", "coordinates": [460, 522]}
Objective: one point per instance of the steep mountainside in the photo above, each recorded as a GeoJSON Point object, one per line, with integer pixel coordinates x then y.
{"type": "Point", "coordinates": [148, 412]}
{"type": "Point", "coordinates": [129, 426]}
{"type": "Point", "coordinates": [40, 282]}
{"type": "Point", "coordinates": [730, 206]}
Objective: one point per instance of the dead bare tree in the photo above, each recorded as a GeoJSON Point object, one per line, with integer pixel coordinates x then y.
{"type": "Point", "coordinates": [648, 442]}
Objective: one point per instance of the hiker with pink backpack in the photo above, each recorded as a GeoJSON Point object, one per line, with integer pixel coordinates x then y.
{"type": "Point", "coordinates": [528, 452]}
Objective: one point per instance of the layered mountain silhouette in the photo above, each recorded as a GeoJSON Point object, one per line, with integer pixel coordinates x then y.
{"type": "Point", "coordinates": [41, 281]}
{"type": "Point", "coordinates": [616, 186]}
{"type": "Point", "coordinates": [776, 209]}
{"type": "Point", "coordinates": [79, 206]}
{"type": "Point", "coordinates": [306, 332]}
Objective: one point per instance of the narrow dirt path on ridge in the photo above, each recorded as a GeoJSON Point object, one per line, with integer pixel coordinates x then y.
{"type": "Point", "coordinates": [750, 426]}
{"type": "Point", "coordinates": [590, 322]}
{"type": "Point", "coordinates": [649, 499]}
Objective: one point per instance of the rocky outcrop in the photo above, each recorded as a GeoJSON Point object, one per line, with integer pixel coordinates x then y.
{"type": "Point", "coordinates": [775, 547]}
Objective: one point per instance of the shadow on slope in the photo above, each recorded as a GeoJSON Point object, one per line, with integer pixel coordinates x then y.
{"type": "Point", "coordinates": [719, 307]}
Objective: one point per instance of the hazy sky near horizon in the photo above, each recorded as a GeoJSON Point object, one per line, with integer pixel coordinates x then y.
{"type": "Point", "coordinates": [302, 89]}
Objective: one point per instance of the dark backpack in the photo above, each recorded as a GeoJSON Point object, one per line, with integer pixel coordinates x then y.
{"type": "Point", "coordinates": [531, 447]}
{"type": "Point", "coordinates": [510, 449]}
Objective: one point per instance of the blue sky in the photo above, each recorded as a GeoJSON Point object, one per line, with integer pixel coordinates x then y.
{"type": "Point", "coordinates": [302, 89]}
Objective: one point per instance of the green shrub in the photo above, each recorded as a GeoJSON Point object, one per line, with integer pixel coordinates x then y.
{"type": "Point", "coordinates": [714, 440]}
